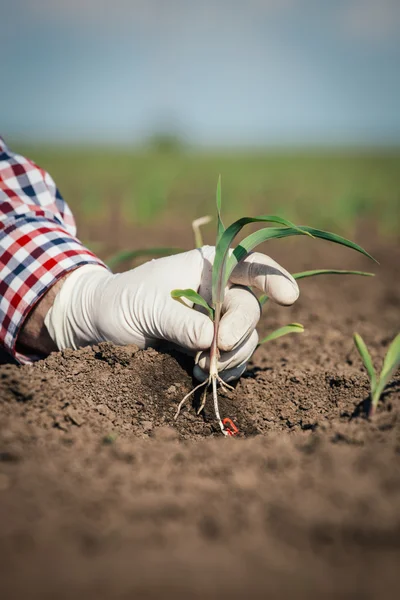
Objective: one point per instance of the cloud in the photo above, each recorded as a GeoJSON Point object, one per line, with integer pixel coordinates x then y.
{"type": "Point", "coordinates": [371, 20]}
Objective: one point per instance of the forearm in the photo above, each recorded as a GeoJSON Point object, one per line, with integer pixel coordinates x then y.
{"type": "Point", "coordinates": [34, 337]}
{"type": "Point", "coordinates": [38, 250]}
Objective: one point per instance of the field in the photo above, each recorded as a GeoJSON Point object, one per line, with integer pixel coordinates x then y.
{"type": "Point", "coordinates": [104, 495]}
{"type": "Point", "coordinates": [158, 190]}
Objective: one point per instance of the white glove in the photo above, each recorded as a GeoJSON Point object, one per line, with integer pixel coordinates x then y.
{"type": "Point", "coordinates": [136, 307]}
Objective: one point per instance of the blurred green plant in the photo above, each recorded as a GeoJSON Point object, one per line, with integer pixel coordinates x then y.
{"type": "Point", "coordinates": [125, 256]}
{"type": "Point", "coordinates": [274, 335]}
{"type": "Point", "coordinates": [390, 365]}
{"type": "Point", "coordinates": [110, 438]}
{"type": "Point", "coordinates": [165, 143]}
{"type": "Point", "coordinates": [335, 189]}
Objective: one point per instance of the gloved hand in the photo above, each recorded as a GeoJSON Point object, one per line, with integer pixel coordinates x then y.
{"type": "Point", "coordinates": [136, 307]}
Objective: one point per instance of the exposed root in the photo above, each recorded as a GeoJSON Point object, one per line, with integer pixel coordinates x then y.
{"type": "Point", "coordinates": [203, 399]}
{"type": "Point", "coordinates": [216, 407]}
{"type": "Point", "coordinates": [213, 380]}
{"type": "Point", "coordinates": [181, 403]}
{"type": "Point", "coordinates": [225, 386]}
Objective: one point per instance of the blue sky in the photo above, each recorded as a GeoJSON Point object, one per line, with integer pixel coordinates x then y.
{"type": "Point", "coordinates": [253, 72]}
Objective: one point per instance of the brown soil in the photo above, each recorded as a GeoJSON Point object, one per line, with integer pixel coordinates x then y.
{"type": "Point", "coordinates": [104, 495]}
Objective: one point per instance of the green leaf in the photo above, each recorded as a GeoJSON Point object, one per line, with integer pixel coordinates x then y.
{"type": "Point", "coordinates": [263, 299]}
{"type": "Point", "coordinates": [255, 239]}
{"type": "Point", "coordinates": [194, 297]}
{"type": "Point", "coordinates": [291, 328]}
{"type": "Point", "coordinates": [262, 235]}
{"type": "Point", "coordinates": [268, 233]}
{"type": "Point", "coordinates": [304, 274]}
{"type": "Point", "coordinates": [367, 360]}
{"type": "Point", "coordinates": [337, 239]}
{"type": "Point", "coordinates": [126, 255]}
{"type": "Point", "coordinates": [392, 357]}
{"type": "Point", "coordinates": [220, 226]}
{"type": "Point", "coordinates": [390, 366]}
{"type": "Point", "coordinates": [219, 273]}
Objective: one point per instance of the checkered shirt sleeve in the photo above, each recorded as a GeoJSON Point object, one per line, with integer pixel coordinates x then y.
{"type": "Point", "coordinates": [38, 243]}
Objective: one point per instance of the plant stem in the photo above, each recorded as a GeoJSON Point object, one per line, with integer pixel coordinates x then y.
{"type": "Point", "coordinates": [196, 224]}
{"type": "Point", "coordinates": [374, 402]}
{"type": "Point", "coordinates": [216, 407]}
{"type": "Point", "coordinates": [372, 409]}
{"type": "Point", "coordinates": [213, 378]}
{"type": "Point", "coordinates": [214, 356]}
{"type": "Point", "coordinates": [214, 352]}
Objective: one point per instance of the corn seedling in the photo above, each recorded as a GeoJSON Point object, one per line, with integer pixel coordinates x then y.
{"type": "Point", "coordinates": [390, 364]}
{"type": "Point", "coordinates": [129, 255]}
{"type": "Point", "coordinates": [224, 263]}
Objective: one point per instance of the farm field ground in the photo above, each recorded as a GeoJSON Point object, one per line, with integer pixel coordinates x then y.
{"type": "Point", "coordinates": [104, 495]}
{"type": "Point", "coordinates": [328, 189]}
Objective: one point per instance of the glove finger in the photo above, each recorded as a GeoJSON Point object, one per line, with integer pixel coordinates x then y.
{"type": "Point", "coordinates": [241, 312]}
{"type": "Point", "coordinates": [230, 360]}
{"type": "Point", "coordinates": [190, 329]}
{"type": "Point", "coordinates": [227, 375]}
{"type": "Point", "coordinates": [260, 271]}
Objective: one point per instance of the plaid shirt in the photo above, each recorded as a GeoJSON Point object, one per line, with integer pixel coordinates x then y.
{"type": "Point", "coordinates": [37, 242]}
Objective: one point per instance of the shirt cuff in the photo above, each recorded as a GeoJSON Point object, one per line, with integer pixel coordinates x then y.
{"type": "Point", "coordinates": [34, 255]}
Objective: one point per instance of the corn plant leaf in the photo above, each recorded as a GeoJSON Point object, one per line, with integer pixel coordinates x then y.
{"type": "Point", "coordinates": [336, 239]}
{"type": "Point", "coordinates": [194, 297]}
{"type": "Point", "coordinates": [254, 239]}
{"type": "Point", "coordinates": [263, 299]}
{"type": "Point", "coordinates": [291, 328]}
{"type": "Point", "coordinates": [220, 226]}
{"type": "Point", "coordinates": [126, 255]}
{"type": "Point", "coordinates": [263, 235]}
{"type": "Point", "coordinates": [219, 273]}
{"type": "Point", "coordinates": [390, 364]}
{"type": "Point", "coordinates": [304, 274]}
{"type": "Point", "coordinates": [367, 360]}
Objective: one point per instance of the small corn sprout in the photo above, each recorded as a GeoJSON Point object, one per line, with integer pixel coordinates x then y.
{"type": "Point", "coordinates": [274, 335]}
{"type": "Point", "coordinates": [129, 255]}
{"type": "Point", "coordinates": [390, 364]}
{"type": "Point", "coordinates": [124, 256]}
{"type": "Point", "coordinates": [225, 262]}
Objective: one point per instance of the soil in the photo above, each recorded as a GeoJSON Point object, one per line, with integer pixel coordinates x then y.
{"type": "Point", "coordinates": [104, 495]}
